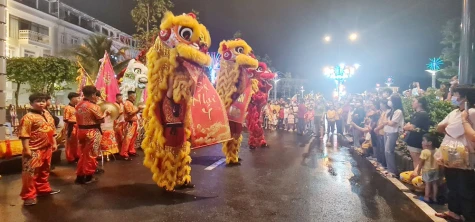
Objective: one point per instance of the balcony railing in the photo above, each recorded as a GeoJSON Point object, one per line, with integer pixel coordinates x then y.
{"type": "Point", "coordinates": [34, 36]}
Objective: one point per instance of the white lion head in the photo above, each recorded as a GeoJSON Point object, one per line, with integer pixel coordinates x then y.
{"type": "Point", "coordinates": [135, 76]}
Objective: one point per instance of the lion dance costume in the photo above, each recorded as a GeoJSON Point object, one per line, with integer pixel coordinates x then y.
{"type": "Point", "coordinates": [179, 51]}
{"type": "Point", "coordinates": [254, 122]}
{"type": "Point", "coordinates": [231, 85]}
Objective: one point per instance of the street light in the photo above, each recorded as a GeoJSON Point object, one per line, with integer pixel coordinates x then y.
{"type": "Point", "coordinates": [353, 36]}
{"type": "Point", "coordinates": [340, 74]}
{"type": "Point", "coordinates": [433, 68]}
{"type": "Point", "coordinates": [327, 38]}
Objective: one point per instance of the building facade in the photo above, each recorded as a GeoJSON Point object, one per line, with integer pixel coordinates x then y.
{"type": "Point", "coordinates": [47, 27]}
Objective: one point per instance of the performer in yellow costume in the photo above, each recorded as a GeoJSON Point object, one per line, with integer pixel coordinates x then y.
{"type": "Point", "coordinates": [232, 86]}
{"type": "Point", "coordinates": [177, 57]}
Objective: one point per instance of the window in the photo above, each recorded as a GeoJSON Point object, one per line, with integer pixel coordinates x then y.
{"type": "Point", "coordinates": [10, 52]}
{"type": "Point", "coordinates": [63, 38]}
{"type": "Point", "coordinates": [74, 40]}
{"type": "Point", "coordinates": [13, 27]}
{"type": "Point", "coordinates": [29, 53]}
{"type": "Point", "coordinates": [47, 53]}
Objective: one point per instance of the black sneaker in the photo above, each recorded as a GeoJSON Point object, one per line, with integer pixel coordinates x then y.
{"type": "Point", "coordinates": [233, 164]}
{"type": "Point", "coordinates": [52, 192]}
{"type": "Point", "coordinates": [90, 179]}
{"type": "Point", "coordinates": [80, 180]}
{"type": "Point", "coordinates": [185, 186]}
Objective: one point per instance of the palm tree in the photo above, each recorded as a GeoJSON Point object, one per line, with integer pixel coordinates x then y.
{"type": "Point", "coordinates": [92, 50]}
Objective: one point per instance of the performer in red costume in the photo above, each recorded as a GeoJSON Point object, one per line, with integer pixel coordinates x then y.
{"type": "Point", "coordinates": [258, 101]}
{"type": "Point", "coordinates": [89, 118]}
{"type": "Point", "coordinates": [70, 128]}
{"type": "Point", "coordinates": [36, 132]}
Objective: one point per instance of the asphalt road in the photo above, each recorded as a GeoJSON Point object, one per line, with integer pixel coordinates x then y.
{"type": "Point", "coordinates": [296, 179]}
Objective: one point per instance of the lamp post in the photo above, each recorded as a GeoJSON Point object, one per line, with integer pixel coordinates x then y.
{"type": "Point", "coordinates": [302, 90]}
{"type": "Point", "coordinates": [276, 80]}
{"type": "Point", "coordinates": [466, 51]}
{"type": "Point", "coordinates": [3, 68]}
{"type": "Point", "coordinates": [433, 68]}
{"type": "Point", "coordinates": [340, 74]}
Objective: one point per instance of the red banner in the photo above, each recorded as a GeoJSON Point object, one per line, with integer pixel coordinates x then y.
{"type": "Point", "coordinates": [106, 82]}
{"type": "Point", "coordinates": [208, 116]}
{"type": "Point", "coordinates": [238, 109]}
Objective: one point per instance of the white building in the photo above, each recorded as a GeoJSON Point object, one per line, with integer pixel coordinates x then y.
{"type": "Point", "coordinates": [46, 27]}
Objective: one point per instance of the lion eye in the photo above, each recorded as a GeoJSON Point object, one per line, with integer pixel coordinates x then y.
{"type": "Point", "coordinates": [185, 33]}
{"type": "Point", "coordinates": [239, 49]}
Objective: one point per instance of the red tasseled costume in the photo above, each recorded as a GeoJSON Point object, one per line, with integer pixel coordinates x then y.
{"type": "Point", "coordinates": [258, 101]}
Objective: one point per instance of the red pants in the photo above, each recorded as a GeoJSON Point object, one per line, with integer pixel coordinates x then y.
{"type": "Point", "coordinates": [89, 144]}
{"type": "Point", "coordinates": [72, 151]}
{"type": "Point", "coordinates": [36, 173]}
{"type": "Point", "coordinates": [128, 143]}
{"type": "Point", "coordinates": [119, 132]}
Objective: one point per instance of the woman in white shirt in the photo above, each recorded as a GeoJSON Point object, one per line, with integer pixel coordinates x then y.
{"type": "Point", "coordinates": [460, 181]}
{"type": "Point", "coordinates": [392, 128]}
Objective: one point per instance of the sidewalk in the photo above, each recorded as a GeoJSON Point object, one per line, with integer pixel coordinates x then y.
{"type": "Point", "coordinates": [409, 190]}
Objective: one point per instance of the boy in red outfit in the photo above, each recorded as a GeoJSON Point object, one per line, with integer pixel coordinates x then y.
{"type": "Point", "coordinates": [70, 128]}
{"type": "Point", "coordinates": [37, 134]}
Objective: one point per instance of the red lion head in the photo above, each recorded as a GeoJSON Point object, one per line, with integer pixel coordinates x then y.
{"type": "Point", "coordinates": [263, 75]}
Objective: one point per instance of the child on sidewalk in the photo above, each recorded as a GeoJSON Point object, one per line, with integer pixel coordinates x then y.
{"type": "Point", "coordinates": [331, 118]}
{"type": "Point", "coordinates": [429, 168]}
{"type": "Point", "coordinates": [291, 121]}
{"type": "Point", "coordinates": [281, 118]}
{"type": "Point", "coordinates": [37, 134]}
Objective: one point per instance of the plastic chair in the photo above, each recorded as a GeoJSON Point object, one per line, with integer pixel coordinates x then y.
{"type": "Point", "coordinates": [10, 129]}
{"type": "Point", "coordinates": [106, 153]}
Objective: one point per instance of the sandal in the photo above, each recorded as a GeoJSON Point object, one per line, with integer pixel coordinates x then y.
{"type": "Point", "coordinates": [421, 198]}
{"type": "Point", "coordinates": [448, 217]}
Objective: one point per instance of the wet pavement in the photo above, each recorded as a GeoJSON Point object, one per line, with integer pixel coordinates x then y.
{"type": "Point", "coordinates": [296, 179]}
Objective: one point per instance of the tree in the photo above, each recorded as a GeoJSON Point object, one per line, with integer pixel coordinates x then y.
{"type": "Point", "coordinates": [197, 13]}
{"type": "Point", "coordinates": [43, 74]}
{"type": "Point", "coordinates": [451, 51]}
{"type": "Point", "coordinates": [146, 15]}
{"type": "Point", "coordinates": [51, 73]}
{"type": "Point", "coordinates": [20, 71]}
{"type": "Point", "coordinates": [92, 51]}
{"type": "Point", "coordinates": [237, 34]}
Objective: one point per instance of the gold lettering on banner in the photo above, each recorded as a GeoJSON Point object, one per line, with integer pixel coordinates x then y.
{"type": "Point", "coordinates": [196, 99]}
{"type": "Point", "coordinates": [208, 112]}
{"type": "Point", "coordinates": [241, 98]}
{"type": "Point", "coordinates": [202, 98]}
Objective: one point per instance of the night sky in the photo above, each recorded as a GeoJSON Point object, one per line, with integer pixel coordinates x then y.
{"type": "Point", "coordinates": [396, 37]}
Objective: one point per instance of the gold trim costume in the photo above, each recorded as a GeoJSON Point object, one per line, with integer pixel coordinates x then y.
{"type": "Point", "coordinates": [182, 43]}
{"type": "Point", "coordinates": [233, 80]}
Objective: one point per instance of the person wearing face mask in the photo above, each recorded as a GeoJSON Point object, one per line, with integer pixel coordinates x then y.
{"type": "Point", "coordinates": [460, 180]}
{"type": "Point", "coordinates": [392, 128]}
{"type": "Point", "coordinates": [453, 84]}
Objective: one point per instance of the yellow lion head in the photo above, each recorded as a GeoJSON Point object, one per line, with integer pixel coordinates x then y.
{"type": "Point", "coordinates": [238, 51]}
{"type": "Point", "coordinates": [187, 36]}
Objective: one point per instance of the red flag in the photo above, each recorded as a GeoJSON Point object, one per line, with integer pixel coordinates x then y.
{"type": "Point", "coordinates": [106, 81]}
